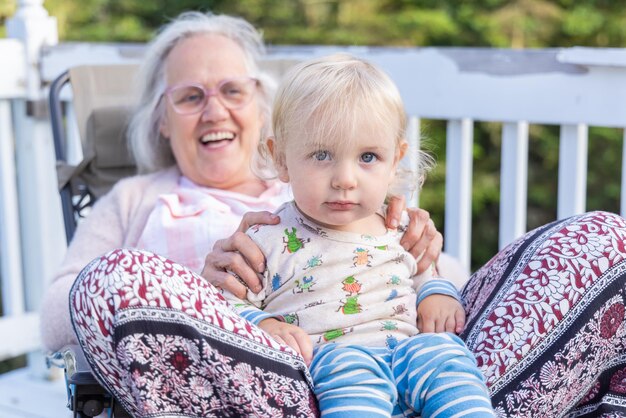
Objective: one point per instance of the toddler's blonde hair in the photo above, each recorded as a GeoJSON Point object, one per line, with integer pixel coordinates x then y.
{"type": "Point", "coordinates": [328, 99]}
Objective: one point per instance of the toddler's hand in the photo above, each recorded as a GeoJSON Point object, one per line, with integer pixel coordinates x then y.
{"type": "Point", "coordinates": [440, 313]}
{"type": "Point", "coordinates": [290, 335]}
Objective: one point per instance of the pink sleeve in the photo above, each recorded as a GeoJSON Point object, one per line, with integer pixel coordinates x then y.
{"type": "Point", "coordinates": [102, 231]}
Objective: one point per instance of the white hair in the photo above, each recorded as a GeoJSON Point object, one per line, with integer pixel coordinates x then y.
{"type": "Point", "coordinates": [151, 151]}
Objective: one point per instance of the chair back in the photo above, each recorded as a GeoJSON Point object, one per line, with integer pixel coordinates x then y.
{"type": "Point", "coordinates": [102, 100]}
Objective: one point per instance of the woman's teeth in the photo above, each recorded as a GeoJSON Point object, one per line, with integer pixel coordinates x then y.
{"type": "Point", "coordinates": [217, 136]}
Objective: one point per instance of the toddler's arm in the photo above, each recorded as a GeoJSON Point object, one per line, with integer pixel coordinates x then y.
{"type": "Point", "coordinates": [440, 313]}
{"type": "Point", "coordinates": [439, 307]}
{"type": "Point", "coordinates": [290, 335]}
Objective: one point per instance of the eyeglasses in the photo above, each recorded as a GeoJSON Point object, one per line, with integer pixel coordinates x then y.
{"type": "Point", "coordinates": [233, 93]}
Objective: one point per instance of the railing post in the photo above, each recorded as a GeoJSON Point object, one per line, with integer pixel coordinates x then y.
{"type": "Point", "coordinates": [459, 158]}
{"type": "Point", "coordinates": [10, 254]}
{"type": "Point", "coordinates": [573, 146]}
{"type": "Point", "coordinates": [41, 230]}
{"type": "Point", "coordinates": [513, 182]}
{"type": "Point", "coordinates": [35, 28]}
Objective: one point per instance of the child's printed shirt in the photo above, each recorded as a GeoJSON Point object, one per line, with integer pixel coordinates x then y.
{"type": "Point", "coordinates": [338, 286]}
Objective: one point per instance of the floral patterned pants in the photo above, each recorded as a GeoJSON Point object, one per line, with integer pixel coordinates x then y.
{"type": "Point", "coordinates": [545, 320]}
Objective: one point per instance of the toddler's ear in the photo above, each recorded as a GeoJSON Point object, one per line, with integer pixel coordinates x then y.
{"type": "Point", "coordinates": [402, 148]}
{"type": "Point", "coordinates": [279, 160]}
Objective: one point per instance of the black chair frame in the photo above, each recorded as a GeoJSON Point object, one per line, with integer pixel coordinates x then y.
{"type": "Point", "coordinates": [85, 396]}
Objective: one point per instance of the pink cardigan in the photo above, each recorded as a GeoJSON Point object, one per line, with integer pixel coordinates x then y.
{"type": "Point", "coordinates": [117, 220]}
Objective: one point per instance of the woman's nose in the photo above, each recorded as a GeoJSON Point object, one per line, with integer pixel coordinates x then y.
{"type": "Point", "coordinates": [344, 177]}
{"type": "Point", "coordinates": [214, 110]}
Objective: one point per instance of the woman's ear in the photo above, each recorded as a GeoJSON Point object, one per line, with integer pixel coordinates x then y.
{"type": "Point", "coordinates": [279, 160]}
{"type": "Point", "coordinates": [164, 126]}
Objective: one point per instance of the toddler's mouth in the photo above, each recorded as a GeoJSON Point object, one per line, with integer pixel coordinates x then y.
{"type": "Point", "coordinates": [341, 205]}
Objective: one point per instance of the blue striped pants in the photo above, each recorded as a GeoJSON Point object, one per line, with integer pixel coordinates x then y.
{"type": "Point", "coordinates": [432, 375]}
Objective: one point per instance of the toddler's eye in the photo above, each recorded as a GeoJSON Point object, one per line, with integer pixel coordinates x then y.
{"type": "Point", "coordinates": [368, 157]}
{"type": "Point", "coordinates": [321, 155]}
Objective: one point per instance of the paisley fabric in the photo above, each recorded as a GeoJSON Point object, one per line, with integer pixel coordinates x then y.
{"type": "Point", "coordinates": [166, 343]}
{"type": "Point", "coordinates": [545, 321]}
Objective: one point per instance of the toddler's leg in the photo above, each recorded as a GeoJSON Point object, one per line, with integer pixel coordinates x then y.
{"type": "Point", "coordinates": [352, 381]}
{"type": "Point", "coordinates": [437, 377]}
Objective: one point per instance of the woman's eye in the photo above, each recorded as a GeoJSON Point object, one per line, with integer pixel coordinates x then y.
{"type": "Point", "coordinates": [321, 155]}
{"type": "Point", "coordinates": [368, 157]}
{"type": "Point", "coordinates": [193, 98]}
{"type": "Point", "coordinates": [232, 91]}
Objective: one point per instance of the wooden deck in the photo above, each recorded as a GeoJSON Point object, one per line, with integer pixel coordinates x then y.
{"type": "Point", "coordinates": [24, 395]}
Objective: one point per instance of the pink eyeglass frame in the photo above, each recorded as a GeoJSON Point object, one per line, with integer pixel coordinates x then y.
{"type": "Point", "coordinates": [208, 93]}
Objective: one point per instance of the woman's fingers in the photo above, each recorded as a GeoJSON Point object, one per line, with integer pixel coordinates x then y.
{"type": "Point", "coordinates": [245, 254]}
{"type": "Point", "coordinates": [395, 207]}
{"type": "Point", "coordinates": [413, 239]}
{"type": "Point", "coordinates": [257, 218]}
{"type": "Point", "coordinates": [215, 272]}
{"type": "Point", "coordinates": [226, 264]}
{"type": "Point", "coordinates": [422, 239]}
{"type": "Point", "coordinates": [236, 261]}
{"type": "Point", "coordinates": [432, 252]}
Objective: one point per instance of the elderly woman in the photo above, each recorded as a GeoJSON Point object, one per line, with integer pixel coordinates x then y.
{"type": "Point", "coordinates": [203, 106]}
{"type": "Point", "coordinates": [545, 317]}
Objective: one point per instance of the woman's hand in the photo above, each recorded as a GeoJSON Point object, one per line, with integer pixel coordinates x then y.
{"type": "Point", "coordinates": [421, 238]}
{"type": "Point", "coordinates": [290, 335]}
{"type": "Point", "coordinates": [440, 313]}
{"type": "Point", "coordinates": [240, 255]}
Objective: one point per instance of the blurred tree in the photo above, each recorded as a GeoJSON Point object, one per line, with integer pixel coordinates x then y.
{"type": "Point", "coordinates": [526, 23]}
{"type": "Point", "coordinates": [7, 9]}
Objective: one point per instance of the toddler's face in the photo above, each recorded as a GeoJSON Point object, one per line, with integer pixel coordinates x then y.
{"type": "Point", "coordinates": [342, 187]}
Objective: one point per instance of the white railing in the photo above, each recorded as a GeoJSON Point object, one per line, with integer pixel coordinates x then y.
{"type": "Point", "coordinates": [30, 248]}
{"type": "Point", "coordinates": [11, 283]}
{"type": "Point", "coordinates": [574, 88]}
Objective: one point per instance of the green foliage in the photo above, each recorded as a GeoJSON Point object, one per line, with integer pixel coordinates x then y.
{"type": "Point", "coordinates": [7, 9]}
